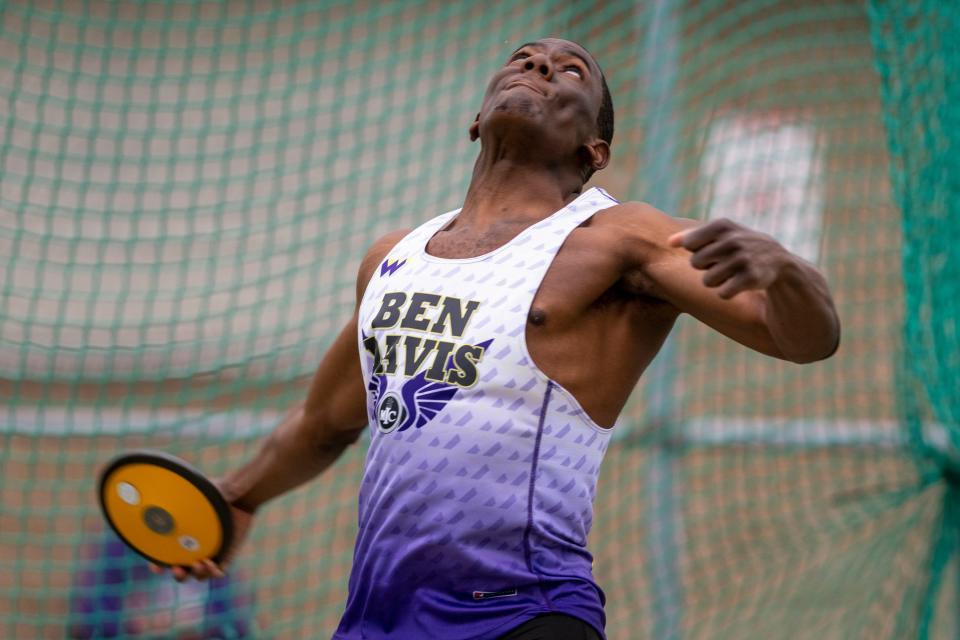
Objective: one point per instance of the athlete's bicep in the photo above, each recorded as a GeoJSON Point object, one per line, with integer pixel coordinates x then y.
{"type": "Point", "coordinates": [336, 402]}
{"type": "Point", "coordinates": [669, 276]}
{"type": "Point", "coordinates": [741, 318]}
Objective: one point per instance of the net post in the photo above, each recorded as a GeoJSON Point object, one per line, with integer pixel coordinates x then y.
{"type": "Point", "coordinates": [660, 64]}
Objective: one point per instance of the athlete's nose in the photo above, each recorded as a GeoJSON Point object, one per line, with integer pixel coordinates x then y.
{"type": "Point", "coordinates": [541, 63]}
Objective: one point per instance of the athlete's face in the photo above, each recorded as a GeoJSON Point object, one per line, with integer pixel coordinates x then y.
{"type": "Point", "coordinates": [551, 84]}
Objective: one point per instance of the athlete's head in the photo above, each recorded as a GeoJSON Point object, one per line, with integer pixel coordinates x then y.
{"type": "Point", "coordinates": [551, 99]}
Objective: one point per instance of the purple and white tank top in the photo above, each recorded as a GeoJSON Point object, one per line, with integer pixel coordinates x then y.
{"type": "Point", "coordinates": [477, 494]}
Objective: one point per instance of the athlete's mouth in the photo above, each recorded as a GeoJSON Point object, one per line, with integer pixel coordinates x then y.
{"type": "Point", "coordinates": [521, 83]}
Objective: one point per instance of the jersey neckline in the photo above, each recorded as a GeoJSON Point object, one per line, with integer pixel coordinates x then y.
{"type": "Point", "coordinates": [485, 256]}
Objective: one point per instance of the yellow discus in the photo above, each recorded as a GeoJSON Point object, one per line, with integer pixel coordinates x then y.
{"type": "Point", "coordinates": [164, 509]}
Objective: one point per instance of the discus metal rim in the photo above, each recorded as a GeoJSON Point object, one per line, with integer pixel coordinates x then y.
{"type": "Point", "coordinates": [186, 471]}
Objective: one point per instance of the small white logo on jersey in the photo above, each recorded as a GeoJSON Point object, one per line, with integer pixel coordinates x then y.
{"type": "Point", "coordinates": [390, 413]}
{"type": "Point", "coordinates": [486, 595]}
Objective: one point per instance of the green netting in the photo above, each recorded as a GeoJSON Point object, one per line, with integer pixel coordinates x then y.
{"type": "Point", "coordinates": [918, 55]}
{"type": "Point", "coordinates": [186, 189]}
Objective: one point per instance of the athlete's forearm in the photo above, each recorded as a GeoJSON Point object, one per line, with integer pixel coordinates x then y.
{"type": "Point", "coordinates": [297, 451]}
{"type": "Point", "coordinates": [800, 314]}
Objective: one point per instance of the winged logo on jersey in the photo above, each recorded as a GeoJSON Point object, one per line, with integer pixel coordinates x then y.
{"type": "Point", "coordinates": [375, 388]}
{"type": "Point", "coordinates": [418, 402]}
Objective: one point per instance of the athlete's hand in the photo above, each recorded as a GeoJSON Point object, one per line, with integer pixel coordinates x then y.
{"type": "Point", "coordinates": [733, 257]}
{"type": "Point", "coordinates": [242, 521]}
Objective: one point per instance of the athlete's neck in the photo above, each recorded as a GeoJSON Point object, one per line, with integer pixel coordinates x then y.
{"type": "Point", "coordinates": [504, 189]}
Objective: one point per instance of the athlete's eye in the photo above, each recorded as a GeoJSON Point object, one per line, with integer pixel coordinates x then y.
{"type": "Point", "coordinates": [574, 71]}
{"type": "Point", "coordinates": [519, 56]}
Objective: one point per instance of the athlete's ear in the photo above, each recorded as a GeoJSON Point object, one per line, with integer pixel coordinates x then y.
{"type": "Point", "coordinates": [475, 129]}
{"type": "Point", "coordinates": [597, 152]}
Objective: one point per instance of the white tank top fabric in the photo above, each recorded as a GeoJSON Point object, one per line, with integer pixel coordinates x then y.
{"type": "Point", "coordinates": [477, 493]}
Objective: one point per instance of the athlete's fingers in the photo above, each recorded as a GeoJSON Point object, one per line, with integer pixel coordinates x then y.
{"type": "Point", "coordinates": [199, 571]}
{"type": "Point", "coordinates": [204, 570]}
{"type": "Point", "coordinates": [737, 284]}
{"type": "Point", "coordinates": [211, 569]}
{"type": "Point", "coordinates": [693, 239]}
{"type": "Point", "coordinates": [722, 271]}
{"type": "Point", "coordinates": [697, 237]}
{"type": "Point", "coordinates": [711, 254]}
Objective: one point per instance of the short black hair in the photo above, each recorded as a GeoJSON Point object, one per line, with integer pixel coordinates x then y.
{"type": "Point", "coordinates": [604, 116]}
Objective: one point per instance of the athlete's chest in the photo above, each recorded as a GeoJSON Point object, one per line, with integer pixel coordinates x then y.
{"type": "Point", "coordinates": [463, 243]}
{"type": "Point", "coordinates": [581, 271]}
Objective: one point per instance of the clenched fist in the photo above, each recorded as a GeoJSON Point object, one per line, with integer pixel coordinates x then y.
{"type": "Point", "coordinates": [735, 258]}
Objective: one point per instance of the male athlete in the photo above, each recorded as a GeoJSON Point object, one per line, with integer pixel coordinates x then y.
{"type": "Point", "coordinates": [490, 353]}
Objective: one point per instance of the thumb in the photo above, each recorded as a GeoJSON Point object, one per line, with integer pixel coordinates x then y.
{"type": "Point", "coordinates": [676, 240]}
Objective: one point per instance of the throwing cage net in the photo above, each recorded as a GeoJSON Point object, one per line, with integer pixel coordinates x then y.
{"type": "Point", "coordinates": [186, 190]}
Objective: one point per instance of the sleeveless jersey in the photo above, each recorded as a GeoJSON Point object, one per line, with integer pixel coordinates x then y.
{"type": "Point", "coordinates": [478, 487]}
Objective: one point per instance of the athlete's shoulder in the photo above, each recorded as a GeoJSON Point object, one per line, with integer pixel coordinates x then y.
{"type": "Point", "coordinates": [640, 215]}
{"type": "Point", "coordinates": [634, 225]}
{"type": "Point", "coordinates": [380, 247]}
{"type": "Point", "coordinates": [375, 255]}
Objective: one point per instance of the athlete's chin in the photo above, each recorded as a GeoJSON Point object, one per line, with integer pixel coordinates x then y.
{"type": "Point", "coordinates": [521, 102]}
{"type": "Point", "coordinates": [512, 115]}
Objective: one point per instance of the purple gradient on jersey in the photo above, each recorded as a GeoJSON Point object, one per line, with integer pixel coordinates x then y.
{"type": "Point", "coordinates": [491, 491]}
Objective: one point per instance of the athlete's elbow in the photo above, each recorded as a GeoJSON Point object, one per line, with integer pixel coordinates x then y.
{"type": "Point", "coordinates": [818, 349]}
{"type": "Point", "coordinates": [341, 438]}
{"type": "Point", "coordinates": [332, 435]}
